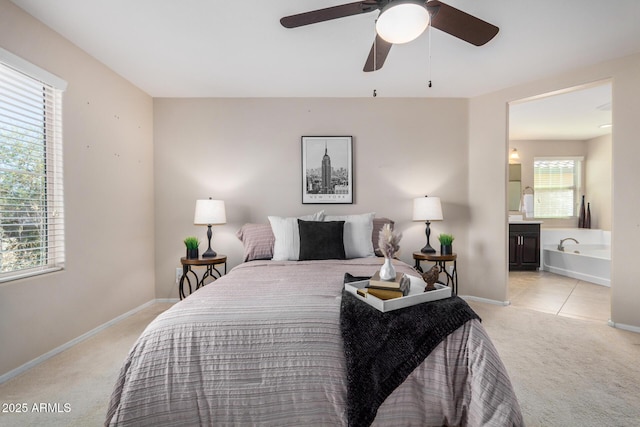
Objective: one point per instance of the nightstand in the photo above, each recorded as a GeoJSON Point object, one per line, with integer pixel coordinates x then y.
{"type": "Point", "coordinates": [211, 271]}
{"type": "Point", "coordinates": [441, 262]}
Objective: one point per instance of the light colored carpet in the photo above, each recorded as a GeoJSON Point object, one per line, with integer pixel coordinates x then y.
{"type": "Point", "coordinates": [81, 377]}
{"type": "Point", "coordinates": [566, 372]}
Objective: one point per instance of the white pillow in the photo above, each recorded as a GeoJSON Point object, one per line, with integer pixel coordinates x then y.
{"type": "Point", "coordinates": [357, 234]}
{"type": "Point", "coordinates": [287, 234]}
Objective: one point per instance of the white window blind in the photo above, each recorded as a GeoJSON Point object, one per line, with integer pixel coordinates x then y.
{"type": "Point", "coordinates": [556, 185]}
{"type": "Point", "coordinates": [31, 186]}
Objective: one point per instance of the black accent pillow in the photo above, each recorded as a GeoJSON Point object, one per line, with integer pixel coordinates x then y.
{"type": "Point", "coordinates": [321, 240]}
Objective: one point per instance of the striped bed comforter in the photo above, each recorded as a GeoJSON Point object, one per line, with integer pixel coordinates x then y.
{"type": "Point", "coordinates": [262, 346]}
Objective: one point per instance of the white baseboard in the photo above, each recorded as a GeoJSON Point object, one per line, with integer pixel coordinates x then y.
{"type": "Point", "coordinates": [38, 360]}
{"type": "Point", "coordinates": [602, 281]}
{"type": "Point", "coordinates": [624, 327]}
{"type": "Point", "coordinates": [485, 300]}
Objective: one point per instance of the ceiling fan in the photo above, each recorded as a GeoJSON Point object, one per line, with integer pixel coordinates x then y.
{"type": "Point", "coordinates": [419, 14]}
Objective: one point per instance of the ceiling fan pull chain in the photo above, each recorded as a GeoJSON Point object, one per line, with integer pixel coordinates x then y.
{"type": "Point", "coordinates": [375, 48]}
{"type": "Point", "coordinates": [429, 39]}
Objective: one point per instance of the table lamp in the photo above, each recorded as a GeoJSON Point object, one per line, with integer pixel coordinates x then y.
{"type": "Point", "coordinates": [209, 212]}
{"type": "Point", "coordinates": [427, 209]}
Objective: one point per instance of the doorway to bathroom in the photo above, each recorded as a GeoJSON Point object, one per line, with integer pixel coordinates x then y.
{"type": "Point", "coordinates": [573, 123]}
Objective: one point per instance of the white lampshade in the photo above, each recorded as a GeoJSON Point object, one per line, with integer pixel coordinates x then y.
{"type": "Point", "coordinates": [402, 21]}
{"type": "Point", "coordinates": [427, 209]}
{"type": "Point", "coordinates": [210, 212]}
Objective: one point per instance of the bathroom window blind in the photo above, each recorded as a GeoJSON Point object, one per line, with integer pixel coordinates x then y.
{"type": "Point", "coordinates": [31, 186]}
{"type": "Point", "coordinates": [556, 184]}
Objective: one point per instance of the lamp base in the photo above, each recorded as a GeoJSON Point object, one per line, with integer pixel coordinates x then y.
{"type": "Point", "coordinates": [209, 253]}
{"type": "Point", "coordinates": [426, 250]}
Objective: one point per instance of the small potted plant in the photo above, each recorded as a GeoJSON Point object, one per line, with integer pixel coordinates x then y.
{"type": "Point", "coordinates": [446, 241]}
{"type": "Point", "coordinates": [192, 244]}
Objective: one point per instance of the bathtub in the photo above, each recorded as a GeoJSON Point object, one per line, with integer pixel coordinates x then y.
{"type": "Point", "coordinates": [588, 262]}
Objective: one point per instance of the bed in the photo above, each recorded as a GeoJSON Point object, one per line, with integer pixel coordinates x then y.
{"type": "Point", "coordinates": [263, 346]}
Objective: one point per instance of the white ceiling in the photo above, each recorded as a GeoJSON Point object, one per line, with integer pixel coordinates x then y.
{"type": "Point", "coordinates": [216, 48]}
{"type": "Point", "coordinates": [575, 114]}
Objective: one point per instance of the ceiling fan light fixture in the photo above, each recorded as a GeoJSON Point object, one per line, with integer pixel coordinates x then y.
{"type": "Point", "coordinates": [402, 21]}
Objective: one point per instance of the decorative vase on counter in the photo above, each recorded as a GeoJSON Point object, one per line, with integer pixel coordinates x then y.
{"type": "Point", "coordinates": [582, 214]}
{"type": "Point", "coordinates": [587, 219]}
{"type": "Point", "coordinates": [387, 271]}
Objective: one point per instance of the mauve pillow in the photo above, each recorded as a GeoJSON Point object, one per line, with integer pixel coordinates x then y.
{"type": "Point", "coordinates": [257, 240]}
{"type": "Point", "coordinates": [378, 223]}
{"type": "Point", "coordinates": [321, 240]}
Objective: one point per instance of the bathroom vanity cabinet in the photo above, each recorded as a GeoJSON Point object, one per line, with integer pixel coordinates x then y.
{"type": "Point", "coordinates": [524, 246]}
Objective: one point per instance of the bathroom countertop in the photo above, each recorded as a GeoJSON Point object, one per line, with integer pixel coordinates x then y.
{"type": "Point", "coordinates": [524, 221]}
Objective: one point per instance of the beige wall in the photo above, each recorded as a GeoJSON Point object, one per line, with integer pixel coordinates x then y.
{"type": "Point", "coordinates": [596, 177]}
{"type": "Point", "coordinates": [248, 153]}
{"type": "Point", "coordinates": [598, 181]}
{"type": "Point", "coordinates": [488, 168]}
{"type": "Point", "coordinates": [108, 165]}
{"type": "Point", "coordinates": [529, 149]}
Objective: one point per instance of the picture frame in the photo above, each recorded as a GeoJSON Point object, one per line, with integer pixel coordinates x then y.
{"type": "Point", "coordinates": [327, 169]}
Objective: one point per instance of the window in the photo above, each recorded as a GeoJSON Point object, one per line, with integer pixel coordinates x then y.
{"type": "Point", "coordinates": [31, 192]}
{"type": "Point", "coordinates": [556, 184]}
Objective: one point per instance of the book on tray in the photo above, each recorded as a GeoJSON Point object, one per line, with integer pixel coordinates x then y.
{"type": "Point", "coordinates": [388, 289]}
{"type": "Point", "coordinates": [383, 294]}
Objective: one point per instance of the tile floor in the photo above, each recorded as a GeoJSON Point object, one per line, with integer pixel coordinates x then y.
{"type": "Point", "coordinates": [559, 295]}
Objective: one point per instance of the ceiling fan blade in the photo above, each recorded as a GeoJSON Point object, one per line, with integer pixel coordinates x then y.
{"type": "Point", "coordinates": [329, 13]}
{"type": "Point", "coordinates": [377, 55]}
{"type": "Point", "coordinates": [460, 24]}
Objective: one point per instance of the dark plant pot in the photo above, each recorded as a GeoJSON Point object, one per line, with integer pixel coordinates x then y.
{"type": "Point", "coordinates": [446, 249]}
{"type": "Point", "coordinates": [192, 253]}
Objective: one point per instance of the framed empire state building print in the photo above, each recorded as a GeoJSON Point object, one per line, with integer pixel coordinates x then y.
{"type": "Point", "coordinates": [327, 169]}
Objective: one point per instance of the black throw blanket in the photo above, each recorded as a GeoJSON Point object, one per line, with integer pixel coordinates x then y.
{"type": "Point", "coordinates": [382, 349]}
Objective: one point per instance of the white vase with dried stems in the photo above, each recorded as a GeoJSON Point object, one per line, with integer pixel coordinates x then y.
{"type": "Point", "coordinates": [388, 242]}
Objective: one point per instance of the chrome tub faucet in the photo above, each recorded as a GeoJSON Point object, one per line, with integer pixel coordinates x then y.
{"type": "Point", "coordinates": [561, 245]}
